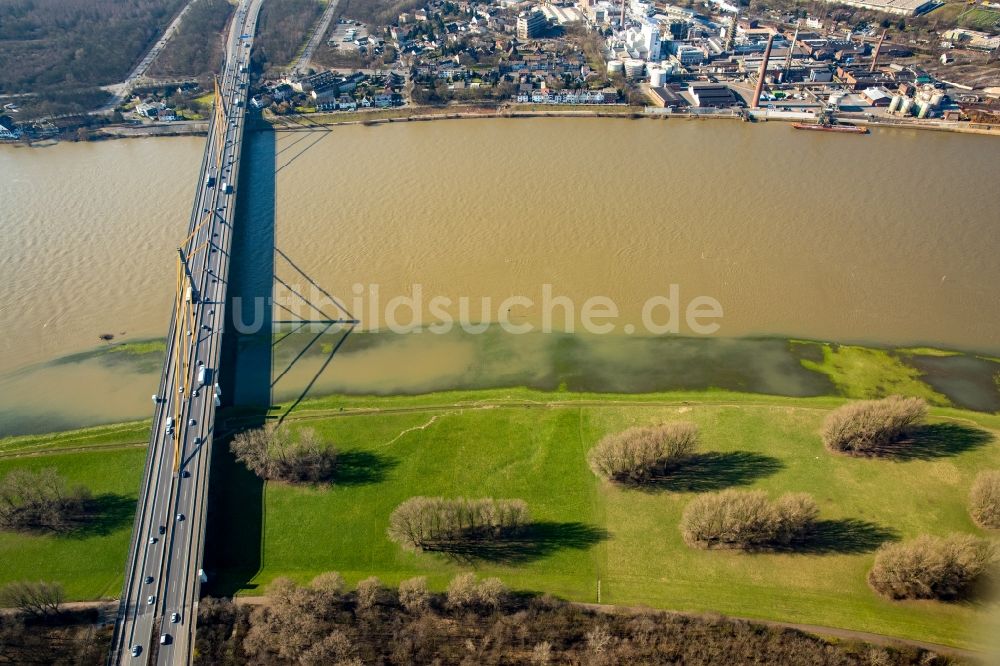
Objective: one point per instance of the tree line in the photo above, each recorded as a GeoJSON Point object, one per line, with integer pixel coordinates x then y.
{"type": "Point", "coordinates": [480, 621]}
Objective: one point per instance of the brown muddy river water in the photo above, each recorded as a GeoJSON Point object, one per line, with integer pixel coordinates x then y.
{"type": "Point", "coordinates": [889, 239]}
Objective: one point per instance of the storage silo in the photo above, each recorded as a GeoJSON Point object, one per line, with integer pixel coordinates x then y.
{"type": "Point", "coordinates": [894, 105]}
{"type": "Point", "coordinates": [656, 77]}
{"type": "Point", "coordinates": [937, 98]}
{"type": "Point", "coordinates": [907, 106]}
{"type": "Point", "coordinates": [925, 109]}
{"type": "Point", "coordinates": [615, 67]}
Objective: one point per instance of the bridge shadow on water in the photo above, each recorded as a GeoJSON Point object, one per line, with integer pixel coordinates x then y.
{"type": "Point", "coordinates": [255, 326]}
{"type": "Point", "coordinates": [235, 525]}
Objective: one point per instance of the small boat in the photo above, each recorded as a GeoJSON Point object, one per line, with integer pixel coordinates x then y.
{"type": "Point", "coordinates": [846, 129]}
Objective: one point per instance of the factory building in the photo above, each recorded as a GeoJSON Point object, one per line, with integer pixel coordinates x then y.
{"type": "Point", "coordinates": [899, 7]}
{"type": "Point", "coordinates": [712, 95]}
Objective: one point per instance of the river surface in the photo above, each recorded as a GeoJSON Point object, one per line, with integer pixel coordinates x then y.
{"type": "Point", "coordinates": [890, 239]}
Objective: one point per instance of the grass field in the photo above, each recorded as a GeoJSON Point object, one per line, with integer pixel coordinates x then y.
{"type": "Point", "coordinates": [531, 445]}
{"type": "Point", "coordinates": [979, 19]}
{"type": "Point", "coordinates": [589, 537]}
{"type": "Point", "coordinates": [89, 563]}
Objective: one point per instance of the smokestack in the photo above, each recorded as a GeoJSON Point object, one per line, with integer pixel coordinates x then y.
{"type": "Point", "coordinates": [763, 72]}
{"type": "Point", "coordinates": [788, 58]}
{"type": "Point", "coordinates": [622, 22]}
{"type": "Point", "coordinates": [878, 49]}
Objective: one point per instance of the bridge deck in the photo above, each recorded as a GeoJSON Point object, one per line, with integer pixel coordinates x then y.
{"type": "Point", "coordinates": [161, 578]}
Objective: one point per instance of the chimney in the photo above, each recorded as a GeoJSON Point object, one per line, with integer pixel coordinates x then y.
{"type": "Point", "coordinates": [763, 72]}
{"type": "Point", "coordinates": [878, 49]}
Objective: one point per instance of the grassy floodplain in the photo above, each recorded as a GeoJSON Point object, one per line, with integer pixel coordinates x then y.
{"type": "Point", "coordinates": [88, 562]}
{"type": "Point", "coordinates": [531, 445]}
{"type": "Point", "coordinates": [592, 537]}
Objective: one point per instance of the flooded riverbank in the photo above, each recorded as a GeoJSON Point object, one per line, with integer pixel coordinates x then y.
{"type": "Point", "coordinates": [881, 240]}
{"type": "Point", "coordinates": [353, 362]}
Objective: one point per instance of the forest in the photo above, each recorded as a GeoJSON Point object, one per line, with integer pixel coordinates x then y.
{"type": "Point", "coordinates": [76, 44]}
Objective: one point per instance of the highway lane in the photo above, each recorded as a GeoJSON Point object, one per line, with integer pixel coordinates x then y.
{"type": "Point", "coordinates": [168, 535]}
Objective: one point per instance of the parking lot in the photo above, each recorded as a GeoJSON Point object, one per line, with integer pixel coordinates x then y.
{"type": "Point", "coordinates": [348, 35]}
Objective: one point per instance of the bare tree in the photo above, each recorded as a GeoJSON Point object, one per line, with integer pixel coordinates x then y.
{"type": "Point", "coordinates": [274, 452]}
{"type": "Point", "coordinates": [434, 522]}
{"type": "Point", "coordinates": [492, 593]}
{"type": "Point", "coordinates": [330, 583]}
{"type": "Point", "coordinates": [867, 427]}
{"type": "Point", "coordinates": [984, 500]}
{"type": "Point", "coordinates": [40, 500]}
{"type": "Point", "coordinates": [37, 599]}
{"type": "Point", "coordinates": [931, 567]}
{"type": "Point", "coordinates": [414, 595]}
{"type": "Point", "coordinates": [368, 592]}
{"type": "Point", "coordinates": [747, 519]}
{"type": "Point", "coordinates": [638, 454]}
{"type": "Point", "coordinates": [462, 591]}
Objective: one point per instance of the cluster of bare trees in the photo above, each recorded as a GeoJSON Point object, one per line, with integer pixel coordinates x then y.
{"type": "Point", "coordinates": [747, 519]}
{"type": "Point", "coordinates": [197, 46]}
{"type": "Point", "coordinates": [869, 427]}
{"type": "Point", "coordinates": [40, 500]}
{"type": "Point", "coordinates": [278, 454]}
{"type": "Point", "coordinates": [929, 567]}
{"type": "Point", "coordinates": [283, 29]}
{"type": "Point", "coordinates": [639, 454]}
{"type": "Point", "coordinates": [984, 500]}
{"type": "Point", "coordinates": [479, 622]}
{"type": "Point", "coordinates": [432, 522]}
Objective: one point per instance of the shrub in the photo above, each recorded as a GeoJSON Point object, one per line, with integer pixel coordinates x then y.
{"type": "Point", "coordinates": [869, 426]}
{"type": "Point", "coordinates": [40, 500]}
{"type": "Point", "coordinates": [434, 522]}
{"type": "Point", "coordinates": [414, 595]}
{"type": "Point", "coordinates": [984, 500]}
{"type": "Point", "coordinates": [638, 454]}
{"type": "Point", "coordinates": [273, 453]}
{"type": "Point", "coordinates": [931, 567]}
{"type": "Point", "coordinates": [747, 519]}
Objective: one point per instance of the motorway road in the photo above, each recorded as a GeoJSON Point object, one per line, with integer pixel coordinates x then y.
{"type": "Point", "coordinates": [158, 608]}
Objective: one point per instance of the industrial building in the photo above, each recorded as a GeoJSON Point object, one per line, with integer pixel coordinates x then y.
{"type": "Point", "coordinates": [712, 95]}
{"type": "Point", "coordinates": [876, 96]}
{"type": "Point", "coordinates": [900, 7]}
{"type": "Point", "coordinates": [664, 96]}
